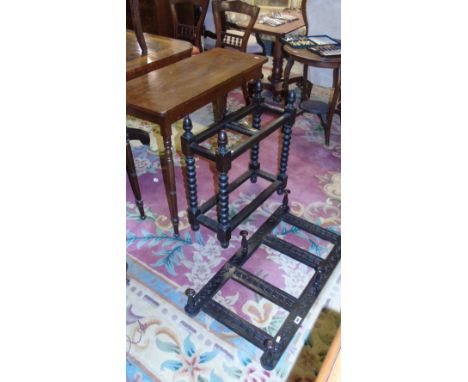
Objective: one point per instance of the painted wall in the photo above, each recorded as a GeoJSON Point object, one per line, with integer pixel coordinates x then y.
{"type": "Point", "coordinates": [324, 17]}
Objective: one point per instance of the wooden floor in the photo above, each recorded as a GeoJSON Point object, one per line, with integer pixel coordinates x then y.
{"type": "Point", "coordinates": [331, 367]}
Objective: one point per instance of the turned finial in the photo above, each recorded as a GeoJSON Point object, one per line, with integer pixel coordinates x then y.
{"type": "Point", "coordinates": [258, 87]}
{"type": "Point", "coordinates": [222, 140]}
{"type": "Point", "coordinates": [291, 99]}
{"type": "Point", "coordinates": [187, 124]}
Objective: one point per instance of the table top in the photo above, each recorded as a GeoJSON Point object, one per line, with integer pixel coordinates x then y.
{"type": "Point", "coordinates": [176, 90]}
{"type": "Point", "coordinates": [312, 58]}
{"type": "Point", "coordinates": [162, 51]}
{"type": "Point", "coordinates": [281, 29]}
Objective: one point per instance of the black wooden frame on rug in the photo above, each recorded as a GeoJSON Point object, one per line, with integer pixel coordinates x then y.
{"type": "Point", "coordinates": [297, 307]}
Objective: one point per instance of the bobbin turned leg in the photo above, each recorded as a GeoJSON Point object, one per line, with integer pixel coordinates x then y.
{"type": "Point", "coordinates": [192, 201]}
{"type": "Point", "coordinates": [133, 179]}
{"type": "Point", "coordinates": [256, 122]}
{"type": "Point", "coordinates": [287, 129]}
{"type": "Point", "coordinates": [223, 164]}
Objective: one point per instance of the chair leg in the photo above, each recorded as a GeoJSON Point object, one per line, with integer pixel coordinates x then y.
{"type": "Point", "coordinates": [306, 85]}
{"type": "Point", "coordinates": [331, 110]}
{"type": "Point", "coordinates": [286, 74]}
{"type": "Point", "coordinates": [261, 43]}
{"type": "Point", "coordinates": [219, 107]}
{"type": "Point", "coordinates": [245, 92]}
{"type": "Point", "coordinates": [132, 177]}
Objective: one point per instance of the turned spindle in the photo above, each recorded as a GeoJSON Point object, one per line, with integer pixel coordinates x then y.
{"type": "Point", "coordinates": [223, 164]}
{"type": "Point", "coordinates": [192, 199]}
{"type": "Point", "coordinates": [256, 124]}
{"type": "Point", "coordinates": [287, 130]}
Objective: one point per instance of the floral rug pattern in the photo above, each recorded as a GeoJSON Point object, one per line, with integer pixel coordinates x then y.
{"type": "Point", "coordinates": [163, 343]}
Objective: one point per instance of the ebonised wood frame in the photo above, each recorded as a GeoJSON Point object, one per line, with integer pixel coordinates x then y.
{"type": "Point", "coordinates": [223, 158]}
{"type": "Point", "coordinates": [297, 307]}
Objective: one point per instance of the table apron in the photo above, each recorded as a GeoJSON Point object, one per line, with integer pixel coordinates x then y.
{"type": "Point", "coordinates": [195, 104]}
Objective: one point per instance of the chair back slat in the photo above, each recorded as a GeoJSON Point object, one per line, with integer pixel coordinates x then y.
{"type": "Point", "coordinates": [231, 35]}
{"type": "Point", "coordinates": [189, 32]}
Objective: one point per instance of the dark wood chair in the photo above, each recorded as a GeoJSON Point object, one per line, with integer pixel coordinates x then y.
{"type": "Point", "coordinates": [136, 23]}
{"type": "Point", "coordinates": [235, 35]}
{"type": "Point", "coordinates": [143, 137]}
{"type": "Point", "coordinates": [190, 26]}
{"type": "Point", "coordinates": [134, 134]}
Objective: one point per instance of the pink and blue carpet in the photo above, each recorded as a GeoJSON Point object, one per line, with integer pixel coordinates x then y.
{"type": "Point", "coordinates": [163, 343]}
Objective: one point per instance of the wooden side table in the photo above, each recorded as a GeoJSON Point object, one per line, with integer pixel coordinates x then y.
{"type": "Point", "coordinates": [275, 80]}
{"type": "Point", "coordinates": [277, 33]}
{"type": "Point", "coordinates": [161, 51]}
{"type": "Point", "coordinates": [155, 53]}
{"type": "Point", "coordinates": [307, 58]}
{"type": "Point", "coordinates": [166, 95]}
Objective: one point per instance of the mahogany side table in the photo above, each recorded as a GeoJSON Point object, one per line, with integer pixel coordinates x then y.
{"type": "Point", "coordinates": [308, 58]}
{"type": "Point", "coordinates": [166, 95]}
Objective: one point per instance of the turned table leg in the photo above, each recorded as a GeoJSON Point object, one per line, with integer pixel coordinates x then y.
{"type": "Point", "coordinates": [169, 175]}
{"type": "Point", "coordinates": [287, 72]}
{"type": "Point", "coordinates": [332, 107]}
{"type": "Point", "coordinates": [133, 179]}
{"type": "Point", "coordinates": [277, 68]}
{"type": "Point", "coordinates": [219, 107]}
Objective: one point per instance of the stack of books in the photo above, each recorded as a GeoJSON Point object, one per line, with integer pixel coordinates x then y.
{"type": "Point", "coordinates": [322, 45]}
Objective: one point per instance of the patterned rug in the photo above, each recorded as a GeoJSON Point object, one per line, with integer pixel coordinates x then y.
{"type": "Point", "coordinates": [163, 343]}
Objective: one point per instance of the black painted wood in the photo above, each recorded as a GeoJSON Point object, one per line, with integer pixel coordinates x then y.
{"type": "Point", "coordinates": [232, 117]}
{"type": "Point", "coordinates": [297, 307]}
{"type": "Point", "coordinates": [224, 156]}
{"type": "Point", "coordinates": [267, 290]}
{"type": "Point", "coordinates": [256, 124]}
{"type": "Point", "coordinates": [231, 187]}
{"type": "Point", "coordinates": [245, 329]}
{"type": "Point", "coordinates": [223, 164]}
{"type": "Point", "coordinates": [314, 229]}
{"type": "Point", "coordinates": [262, 134]}
{"type": "Point", "coordinates": [186, 139]}
{"type": "Point", "coordinates": [254, 204]}
{"type": "Point", "coordinates": [287, 130]}
{"type": "Point", "coordinates": [292, 251]}
{"type": "Point", "coordinates": [240, 128]}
